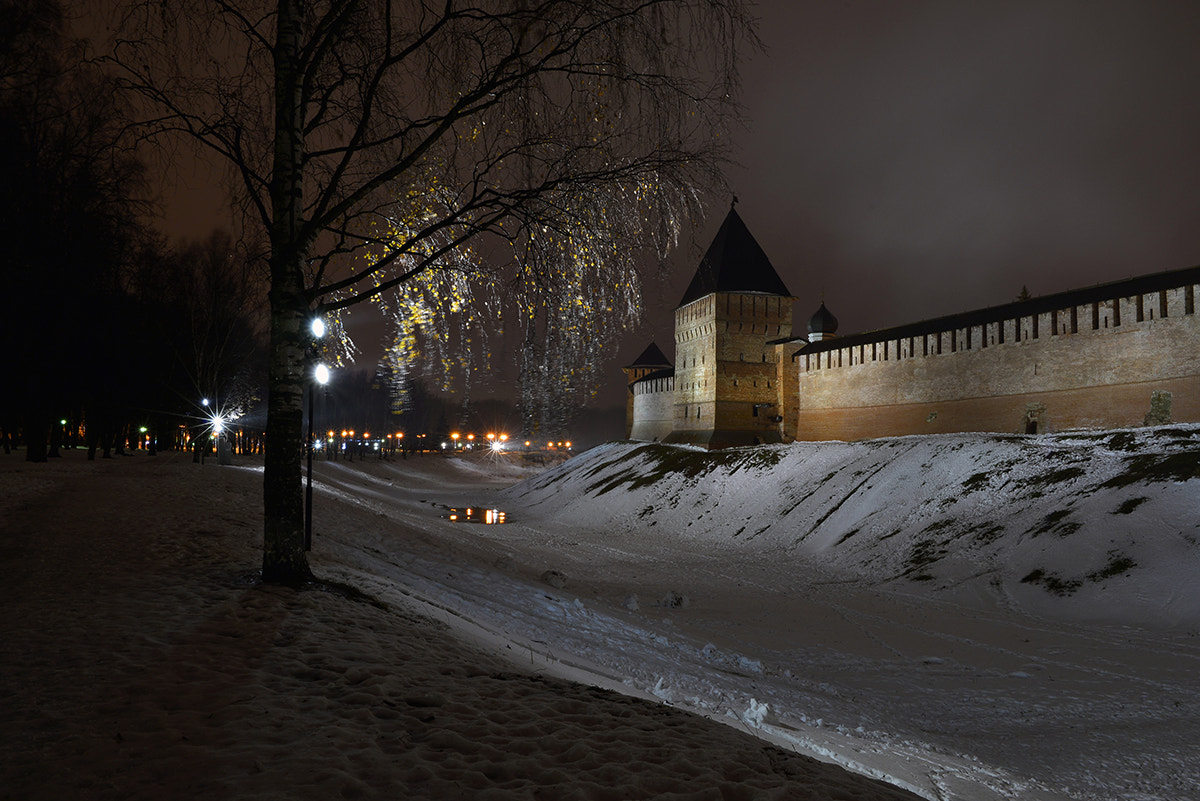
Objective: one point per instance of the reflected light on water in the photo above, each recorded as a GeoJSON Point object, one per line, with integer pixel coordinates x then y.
{"type": "Point", "coordinates": [471, 515]}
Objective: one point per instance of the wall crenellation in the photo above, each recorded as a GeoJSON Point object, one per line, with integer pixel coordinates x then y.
{"type": "Point", "coordinates": [1128, 353]}
{"type": "Point", "coordinates": [1104, 316]}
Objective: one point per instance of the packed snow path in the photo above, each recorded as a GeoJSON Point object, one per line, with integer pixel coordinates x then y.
{"type": "Point", "coordinates": [968, 617]}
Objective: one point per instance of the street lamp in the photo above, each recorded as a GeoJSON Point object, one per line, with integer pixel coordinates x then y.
{"type": "Point", "coordinates": [320, 376]}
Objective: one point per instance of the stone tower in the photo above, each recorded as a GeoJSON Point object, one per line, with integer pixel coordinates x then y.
{"type": "Point", "coordinates": [650, 362]}
{"type": "Point", "coordinates": [726, 387]}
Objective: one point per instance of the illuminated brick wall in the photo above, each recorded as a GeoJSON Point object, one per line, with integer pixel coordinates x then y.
{"type": "Point", "coordinates": [1122, 361]}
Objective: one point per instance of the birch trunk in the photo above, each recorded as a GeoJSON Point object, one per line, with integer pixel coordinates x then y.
{"type": "Point", "coordinates": [284, 560]}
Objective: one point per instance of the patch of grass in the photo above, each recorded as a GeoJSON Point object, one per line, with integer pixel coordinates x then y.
{"type": "Point", "coordinates": [1129, 505]}
{"type": "Point", "coordinates": [921, 577]}
{"type": "Point", "coordinates": [938, 525]}
{"type": "Point", "coordinates": [760, 531]}
{"type": "Point", "coordinates": [656, 461]}
{"type": "Point", "coordinates": [1052, 583]}
{"type": "Point", "coordinates": [987, 534]}
{"type": "Point", "coordinates": [1068, 528]}
{"type": "Point", "coordinates": [1154, 467]}
{"type": "Point", "coordinates": [1122, 441]}
{"type": "Point", "coordinates": [976, 482]}
{"type": "Point", "coordinates": [1085, 436]}
{"type": "Point", "coordinates": [1118, 563]}
{"type": "Point", "coordinates": [1049, 522]}
{"type": "Point", "coordinates": [846, 536]}
{"type": "Point", "coordinates": [1055, 477]}
{"type": "Point", "coordinates": [924, 553]}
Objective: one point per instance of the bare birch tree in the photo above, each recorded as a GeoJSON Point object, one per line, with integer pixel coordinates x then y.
{"type": "Point", "coordinates": [435, 156]}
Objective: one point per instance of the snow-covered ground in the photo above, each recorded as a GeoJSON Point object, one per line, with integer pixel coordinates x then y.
{"type": "Point", "coordinates": [969, 617]}
{"type": "Point", "coordinates": [141, 659]}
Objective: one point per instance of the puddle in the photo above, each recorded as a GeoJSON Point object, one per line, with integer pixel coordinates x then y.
{"type": "Point", "coordinates": [474, 515]}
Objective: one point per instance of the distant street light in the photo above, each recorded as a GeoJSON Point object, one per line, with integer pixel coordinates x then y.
{"type": "Point", "coordinates": [320, 375]}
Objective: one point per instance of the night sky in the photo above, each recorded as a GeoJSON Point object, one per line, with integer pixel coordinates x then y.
{"type": "Point", "coordinates": [906, 160]}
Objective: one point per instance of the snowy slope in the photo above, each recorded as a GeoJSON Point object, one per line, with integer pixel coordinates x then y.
{"type": "Point", "coordinates": [971, 618]}
{"type": "Point", "coordinates": [1091, 526]}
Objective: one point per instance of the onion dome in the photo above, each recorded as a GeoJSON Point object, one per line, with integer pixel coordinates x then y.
{"type": "Point", "coordinates": [822, 325]}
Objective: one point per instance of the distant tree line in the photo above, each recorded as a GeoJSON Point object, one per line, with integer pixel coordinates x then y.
{"type": "Point", "coordinates": [110, 336]}
{"type": "Point", "coordinates": [367, 401]}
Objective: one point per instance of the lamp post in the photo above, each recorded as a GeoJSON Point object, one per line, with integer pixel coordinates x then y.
{"type": "Point", "coordinates": [320, 375]}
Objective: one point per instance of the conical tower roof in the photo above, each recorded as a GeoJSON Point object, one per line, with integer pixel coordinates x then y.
{"type": "Point", "coordinates": [734, 263]}
{"type": "Point", "coordinates": [651, 357]}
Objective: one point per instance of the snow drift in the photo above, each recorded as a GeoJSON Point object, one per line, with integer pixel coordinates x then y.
{"type": "Point", "coordinates": [1098, 526]}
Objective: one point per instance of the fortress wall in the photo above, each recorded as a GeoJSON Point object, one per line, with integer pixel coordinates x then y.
{"type": "Point", "coordinates": [653, 409]}
{"type": "Point", "coordinates": [1084, 366]}
{"type": "Point", "coordinates": [1118, 406]}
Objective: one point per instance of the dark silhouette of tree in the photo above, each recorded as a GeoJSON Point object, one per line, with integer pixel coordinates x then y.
{"type": "Point", "coordinates": [207, 302]}
{"type": "Point", "coordinates": [431, 155]}
{"type": "Point", "coordinates": [69, 219]}
{"type": "Point", "coordinates": [213, 292]}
